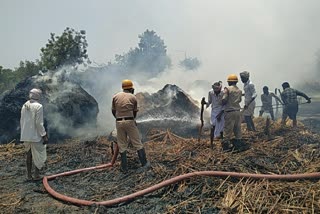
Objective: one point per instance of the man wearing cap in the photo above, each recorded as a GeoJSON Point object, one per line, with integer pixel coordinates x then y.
{"type": "Point", "coordinates": [249, 100]}
{"type": "Point", "coordinates": [217, 115]}
{"type": "Point", "coordinates": [33, 133]}
{"type": "Point", "coordinates": [289, 98]}
{"type": "Point", "coordinates": [124, 109]}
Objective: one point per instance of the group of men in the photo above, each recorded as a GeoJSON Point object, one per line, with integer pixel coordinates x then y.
{"type": "Point", "coordinates": [227, 115]}
{"type": "Point", "coordinates": [226, 118]}
{"type": "Point", "coordinates": [34, 135]}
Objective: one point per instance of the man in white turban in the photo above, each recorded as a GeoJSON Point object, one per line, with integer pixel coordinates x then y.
{"type": "Point", "coordinates": [33, 133]}
{"type": "Point", "coordinates": [217, 112]}
{"type": "Point", "coordinates": [249, 100]}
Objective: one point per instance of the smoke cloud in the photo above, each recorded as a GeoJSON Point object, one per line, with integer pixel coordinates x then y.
{"type": "Point", "coordinates": [275, 41]}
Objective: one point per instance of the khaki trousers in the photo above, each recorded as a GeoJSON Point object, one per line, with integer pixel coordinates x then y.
{"type": "Point", "coordinates": [125, 129]}
{"type": "Point", "coordinates": [232, 124]}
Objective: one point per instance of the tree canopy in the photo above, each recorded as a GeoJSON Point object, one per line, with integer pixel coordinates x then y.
{"type": "Point", "coordinates": [150, 56]}
{"type": "Point", "coordinates": [68, 49]}
{"type": "Point", "coordinates": [190, 63]}
{"type": "Point", "coordinates": [9, 78]}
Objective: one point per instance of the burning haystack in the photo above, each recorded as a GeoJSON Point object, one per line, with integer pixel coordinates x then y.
{"type": "Point", "coordinates": [68, 108]}
{"type": "Point", "coordinates": [169, 108]}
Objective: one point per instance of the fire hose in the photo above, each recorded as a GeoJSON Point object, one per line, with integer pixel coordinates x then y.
{"type": "Point", "coordinates": [130, 197]}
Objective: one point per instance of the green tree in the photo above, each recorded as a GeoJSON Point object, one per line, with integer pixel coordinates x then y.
{"type": "Point", "coordinates": [27, 69]}
{"type": "Point", "coordinates": [190, 63]}
{"type": "Point", "coordinates": [7, 79]}
{"type": "Point", "coordinates": [68, 49]}
{"type": "Point", "coordinates": [150, 55]}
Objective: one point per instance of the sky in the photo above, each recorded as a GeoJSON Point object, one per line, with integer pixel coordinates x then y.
{"type": "Point", "coordinates": [274, 40]}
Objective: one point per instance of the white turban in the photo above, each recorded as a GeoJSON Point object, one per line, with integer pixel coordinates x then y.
{"type": "Point", "coordinates": [35, 94]}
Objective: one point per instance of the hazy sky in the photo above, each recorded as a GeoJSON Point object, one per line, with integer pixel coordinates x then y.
{"type": "Point", "coordinates": [275, 40]}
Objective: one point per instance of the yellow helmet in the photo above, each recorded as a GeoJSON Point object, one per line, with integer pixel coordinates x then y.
{"type": "Point", "coordinates": [232, 78]}
{"type": "Point", "coordinates": [127, 84]}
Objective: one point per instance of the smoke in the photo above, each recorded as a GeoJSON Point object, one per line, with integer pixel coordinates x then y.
{"type": "Point", "coordinates": [68, 109]}
{"type": "Point", "coordinates": [269, 39]}
{"type": "Point", "coordinates": [275, 41]}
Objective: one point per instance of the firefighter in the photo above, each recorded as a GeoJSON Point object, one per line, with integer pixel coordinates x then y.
{"type": "Point", "coordinates": [124, 109]}
{"type": "Point", "coordinates": [231, 100]}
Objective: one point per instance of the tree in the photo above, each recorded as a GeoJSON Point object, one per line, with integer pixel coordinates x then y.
{"type": "Point", "coordinates": [190, 63]}
{"type": "Point", "coordinates": [27, 69]}
{"type": "Point", "coordinates": [150, 55]}
{"type": "Point", "coordinates": [9, 78]}
{"type": "Point", "coordinates": [68, 49]}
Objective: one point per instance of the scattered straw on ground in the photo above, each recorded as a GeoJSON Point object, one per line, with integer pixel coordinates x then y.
{"type": "Point", "coordinates": [281, 150]}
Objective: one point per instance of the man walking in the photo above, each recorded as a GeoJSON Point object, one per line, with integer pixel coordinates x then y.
{"type": "Point", "coordinates": [249, 100]}
{"type": "Point", "coordinates": [266, 99]}
{"type": "Point", "coordinates": [231, 100]}
{"type": "Point", "coordinates": [33, 133]}
{"type": "Point", "coordinates": [124, 109]}
{"type": "Point", "coordinates": [289, 98]}
{"type": "Point", "coordinates": [217, 116]}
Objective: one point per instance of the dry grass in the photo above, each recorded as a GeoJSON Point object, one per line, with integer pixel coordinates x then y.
{"type": "Point", "coordinates": [280, 151]}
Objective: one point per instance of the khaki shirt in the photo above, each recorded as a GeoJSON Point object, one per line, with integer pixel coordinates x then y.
{"type": "Point", "coordinates": [232, 94]}
{"type": "Point", "coordinates": [124, 103]}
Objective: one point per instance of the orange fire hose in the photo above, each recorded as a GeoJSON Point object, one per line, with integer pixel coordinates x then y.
{"type": "Point", "coordinates": [162, 184]}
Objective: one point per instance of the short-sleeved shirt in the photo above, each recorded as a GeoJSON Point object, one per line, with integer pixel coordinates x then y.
{"type": "Point", "coordinates": [289, 96]}
{"type": "Point", "coordinates": [232, 94]}
{"type": "Point", "coordinates": [124, 103]}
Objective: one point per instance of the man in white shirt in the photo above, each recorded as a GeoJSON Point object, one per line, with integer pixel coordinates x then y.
{"type": "Point", "coordinates": [217, 116]}
{"type": "Point", "coordinates": [249, 100]}
{"type": "Point", "coordinates": [33, 133]}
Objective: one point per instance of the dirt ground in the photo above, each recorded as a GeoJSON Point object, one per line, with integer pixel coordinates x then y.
{"type": "Point", "coordinates": [283, 151]}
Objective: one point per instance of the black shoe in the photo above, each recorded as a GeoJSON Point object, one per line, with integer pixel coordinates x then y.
{"type": "Point", "coordinates": [142, 156]}
{"type": "Point", "coordinates": [124, 162]}
{"type": "Point", "coordinates": [143, 160]}
{"type": "Point", "coordinates": [240, 145]}
{"type": "Point", "coordinates": [226, 146]}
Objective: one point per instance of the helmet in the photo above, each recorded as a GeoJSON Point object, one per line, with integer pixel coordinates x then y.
{"type": "Point", "coordinates": [127, 84]}
{"type": "Point", "coordinates": [232, 78]}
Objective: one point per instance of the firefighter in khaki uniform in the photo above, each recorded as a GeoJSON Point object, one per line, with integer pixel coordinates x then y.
{"type": "Point", "coordinates": [231, 99]}
{"type": "Point", "coordinates": [124, 109]}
